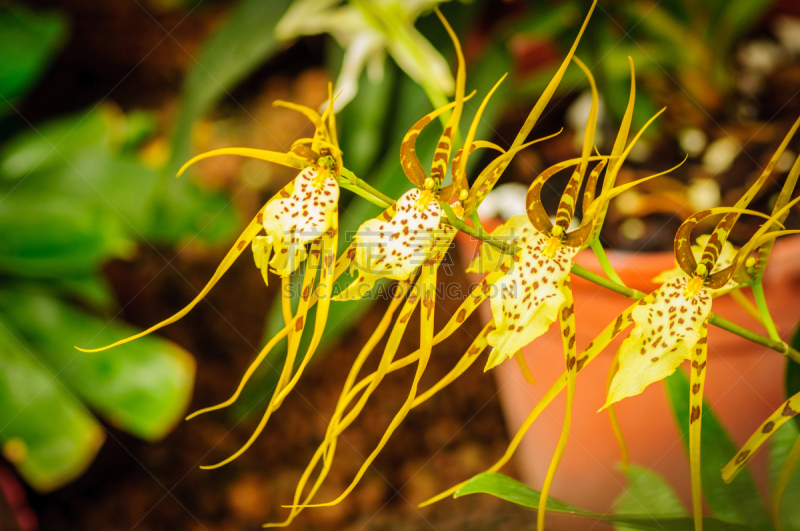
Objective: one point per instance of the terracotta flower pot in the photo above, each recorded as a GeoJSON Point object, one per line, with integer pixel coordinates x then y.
{"type": "Point", "coordinates": [744, 384]}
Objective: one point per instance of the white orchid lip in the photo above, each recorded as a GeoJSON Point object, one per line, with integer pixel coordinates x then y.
{"type": "Point", "coordinates": [395, 248]}
{"type": "Point", "coordinates": [301, 218]}
{"type": "Point", "coordinates": [528, 297]}
{"type": "Point", "coordinates": [665, 332]}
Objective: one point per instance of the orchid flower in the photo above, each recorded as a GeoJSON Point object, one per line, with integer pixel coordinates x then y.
{"type": "Point", "coordinates": [534, 288]}
{"type": "Point", "coordinates": [671, 324]}
{"type": "Point", "coordinates": [301, 224]}
{"type": "Point", "coordinates": [405, 242]}
{"type": "Point", "coordinates": [788, 409]}
{"type": "Point", "coordinates": [366, 30]}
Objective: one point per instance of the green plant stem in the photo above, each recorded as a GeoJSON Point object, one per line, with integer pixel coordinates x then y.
{"type": "Point", "coordinates": [476, 221]}
{"type": "Point", "coordinates": [600, 253]}
{"type": "Point", "coordinates": [350, 182]}
{"type": "Point", "coordinates": [476, 232]}
{"type": "Point", "coordinates": [763, 310]}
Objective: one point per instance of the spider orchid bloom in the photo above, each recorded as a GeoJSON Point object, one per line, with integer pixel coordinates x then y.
{"type": "Point", "coordinates": [671, 324]}
{"type": "Point", "coordinates": [541, 241]}
{"type": "Point", "coordinates": [366, 30]}
{"type": "Point", "coordinates": [535, 290]}
{"type": "Point", "coordinates": [303, 213]}
{"type": "Point", "coordinates": [405, 242]}
{"type": "Point", "coordinates": [788, 409]}
{"type": "Point", "coordinates": [410, 237]}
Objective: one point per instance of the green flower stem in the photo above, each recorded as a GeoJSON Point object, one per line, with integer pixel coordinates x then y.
{"type": "Point", "coordinates": [350, 182]}
{"type": "Point", "coordinates": [477, 232]}
{"type": "Point", "coordinates": [600, 253]}
{"type": "Point", "coordinates": [716, 320]}
{"type": "Point", "coordinates": [476, 221]}
{"type": "Point", "coordinates": [763, 310]}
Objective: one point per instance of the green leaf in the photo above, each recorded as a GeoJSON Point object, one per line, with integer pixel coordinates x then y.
{"type": "Point", "coordinates": [244, 42]}
{"type": "Point", "coordinates": [546, 21]}
{"type": "Point", "coordinates": [92, 290]}
{"type": "Point", "coordinates": [781, 443]}
{"type": "Point", "coordinates": [142, 387]}
{"type": "Point", "coordinates": [29, 42]}
{"type": "Point", "coordinates": [46, 433]}
{"type": "Point", "coordinates": [363, 124]}
{"type": "Point", "coordinates": [512, 490]}
{"type": "Point", "coordinates": [738, 501]}
{"type": "Point", "coordinates": [647, 493]}
{"type": "Point", "coordinates": [57, 142]}
{"type": "Point", "coordinates": [736, 19]}
{"type": "Point", "coordinates": [49, 237]}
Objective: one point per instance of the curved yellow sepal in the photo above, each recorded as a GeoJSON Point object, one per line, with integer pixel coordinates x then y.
{"type": "Point", "coordinates": [286, 159]}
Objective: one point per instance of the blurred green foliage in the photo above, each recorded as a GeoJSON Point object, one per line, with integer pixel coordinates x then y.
{"type": "Point", "coordinates": [681, 44]}
{"type": "Point", "coordinates": [28, 43]}
{"type": "Point", "coordinates": [76, 192]}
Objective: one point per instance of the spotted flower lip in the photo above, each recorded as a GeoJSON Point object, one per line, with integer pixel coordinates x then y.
{"type": "Point", "coordinates": [304, 216]}
{"type": "Point", "coordinates": [665, 331]}
{"type": "Point", "coordinates": [528, 297]}
{"type": "Point", "coordinates": [397, 247]}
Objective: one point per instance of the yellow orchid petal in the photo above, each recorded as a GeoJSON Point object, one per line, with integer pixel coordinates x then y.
{"type": "Point", "coordinates": [262, 249]}
{"type": "Point", "coordinates": [302, 217]}
{"type": "Point", "coordinates": [567, 322]}
{"type": "Point", "coordinates": [286, 159]}
{"type": "Point", "coordinates": [396, 248]}
{"type": "Point", "coordinates": [528, 298]}
{"type": "Point", "coordinates": [699, 355]}
{"type": "Point", "coordinates": [664, 334]}
{"type": "Point", "coordinates": [781, 416]}
{"type": "Point", "coordinates": [490, 259]}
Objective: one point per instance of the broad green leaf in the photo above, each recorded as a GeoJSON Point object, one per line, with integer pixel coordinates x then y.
{"type": "Point", "coordinates": [244, 42]}
{"type": "Point", "coordinates": [51, 237]}
{"type": "Point", "coordinates": [142, 387]}
{"type": "Point", "coordinates": [647, 493]}
{"type": "Point", "coordinates": [45, 432]}
{"type": "Point", "coordinates": [91, 289]}
{"type": "Point", "coordinates": [57, 142]}
{"type": "Point", "coordinates": [781, 443]}
{"type": "Point", "coordinates": [512, 490]}
{"type": "Point", "coordinates": [29, 42]}
{"type": "Point", "coordinates": [738, 501]}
